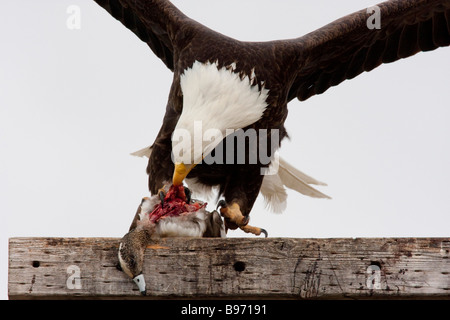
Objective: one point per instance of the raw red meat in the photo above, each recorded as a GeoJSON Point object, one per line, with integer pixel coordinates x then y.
{"type": "Point", "coordinates": [174, 205]}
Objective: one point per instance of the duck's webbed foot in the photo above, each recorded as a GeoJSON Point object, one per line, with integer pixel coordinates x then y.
{"type": "Point", "coordinates": [235, 219]}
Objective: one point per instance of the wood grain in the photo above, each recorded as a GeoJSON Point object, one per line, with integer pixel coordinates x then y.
{"type": "Point", "coordinates": [273, 268]}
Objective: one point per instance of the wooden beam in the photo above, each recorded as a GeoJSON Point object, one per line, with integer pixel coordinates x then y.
{"type": "Point", "coordinates": [70, 268]}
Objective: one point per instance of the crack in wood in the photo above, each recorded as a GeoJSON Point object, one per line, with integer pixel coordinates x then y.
{"type": "Point", "coordinates": [33, 280]}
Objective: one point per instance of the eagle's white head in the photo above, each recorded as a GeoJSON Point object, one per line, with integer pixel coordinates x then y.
{"type": "Point", "coordinates": [216, 102]}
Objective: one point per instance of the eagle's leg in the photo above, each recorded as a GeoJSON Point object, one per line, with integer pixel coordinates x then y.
{"type": "Point", "coordinates": [240, 190]}
{"type": "Point", "coordinates": [162, 193]}
{"type": "Point", "coordinates": [235, 219]}
{"type": "Point", "coordinates": [233, 215]}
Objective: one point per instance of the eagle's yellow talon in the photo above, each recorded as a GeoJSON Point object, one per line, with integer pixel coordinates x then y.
{"type": "Point", "coordinates": [254, 230]}
{"type": "Point", "coordinates": [234, 218]}
{"type": "Point", "coordinates": [233, 214]}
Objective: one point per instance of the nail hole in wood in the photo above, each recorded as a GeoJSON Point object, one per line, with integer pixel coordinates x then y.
{"type": "Point", "coordinates": [239, 266]}
{"type": "Point", "coordinates": [35, 264]}
{"type": "Point", "coordinates": [375, 263]}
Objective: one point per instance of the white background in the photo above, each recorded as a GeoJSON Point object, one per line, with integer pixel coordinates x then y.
{"type": "Point", "coordinates": [75, 103]}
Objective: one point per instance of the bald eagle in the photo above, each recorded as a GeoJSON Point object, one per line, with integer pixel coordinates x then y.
{"type": "Point", "coordinates": [223, 88]}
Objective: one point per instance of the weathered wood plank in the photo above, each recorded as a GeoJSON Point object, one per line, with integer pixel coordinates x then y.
{"type": "Point", "coordinates": [234, 268]}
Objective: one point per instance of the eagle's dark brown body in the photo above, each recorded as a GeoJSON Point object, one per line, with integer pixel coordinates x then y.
{"type": "Point", "coordinates": [295, 68]}
{"type": "Point", "coordinates": [209, 46]}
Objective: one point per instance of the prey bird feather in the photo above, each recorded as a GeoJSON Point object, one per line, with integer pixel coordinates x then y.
{"type": "Point", "coordinates": [175, 216]}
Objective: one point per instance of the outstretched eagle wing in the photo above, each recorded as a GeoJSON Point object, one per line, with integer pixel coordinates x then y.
{"type": "Point", "coordinates": [158, 23]}
{"type": "Point", "coordinates": [167, 31]}
{"type": "Point", "coordinates": [349, 46]}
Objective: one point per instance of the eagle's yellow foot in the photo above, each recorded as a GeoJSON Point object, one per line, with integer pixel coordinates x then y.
{"type": "Point", "coordinates": [255, 230]}
{"type": "Point", "coordinates": [163, 190]}
{"type": "Point", "coordinates": [233, 213]}
{"type": "Point", "coordinates": [234, 218]}
{"type": "Point", "coordinates": [162, 194]}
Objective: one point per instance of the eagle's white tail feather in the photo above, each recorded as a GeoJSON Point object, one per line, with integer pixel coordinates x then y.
{"type": "Point", "coordinates": [292, 182]}
{"type": "Point", "coordinates": [296, 180]}
{"type": "Point", "coordinates": [273, 186]}
{"type": "Point", "coordinates": [145, 152]}
{"type": "Point", "coordinates": [274, 193]}
{"type": "Point", "coordinates": [294, 171]}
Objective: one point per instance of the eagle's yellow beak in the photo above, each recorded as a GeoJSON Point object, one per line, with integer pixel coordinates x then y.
{"type": "Point", "coordinates": [180, 172]}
